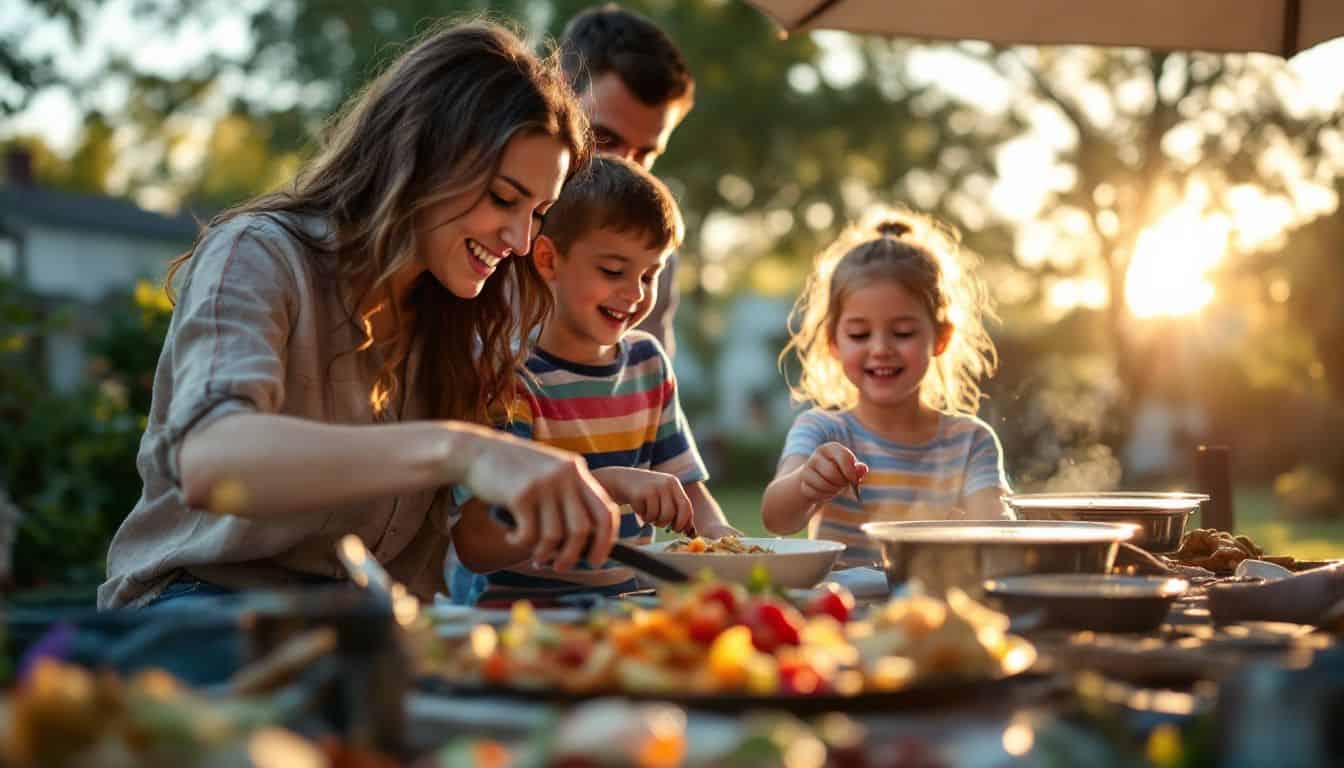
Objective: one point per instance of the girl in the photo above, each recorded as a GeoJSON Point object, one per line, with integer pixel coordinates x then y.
{"type": "Point", "coordinates": [333, 346]}
{"type": "Point", "coordinates": [891, 346]}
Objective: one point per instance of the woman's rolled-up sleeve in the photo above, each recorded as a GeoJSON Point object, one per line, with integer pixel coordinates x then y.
{"type": "Point", "coordinates": [226, 347]}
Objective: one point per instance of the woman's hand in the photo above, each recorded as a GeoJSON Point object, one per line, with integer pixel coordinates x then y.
{"type": "Point", "coordinates": [557, 503]}
{"type": "Point", "coordinates": [657, 497]}
{"type": "Point", "coordinates": [829, 470]}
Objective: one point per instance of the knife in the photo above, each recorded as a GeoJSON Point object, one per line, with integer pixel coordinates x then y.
{"type": "Point", "coordinates": [621, 553]}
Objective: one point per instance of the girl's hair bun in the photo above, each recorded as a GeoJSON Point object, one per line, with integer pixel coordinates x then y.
{"type": "Point", "coordinates": [893, 228]}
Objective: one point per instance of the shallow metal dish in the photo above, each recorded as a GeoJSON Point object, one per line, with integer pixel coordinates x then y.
{"type": "Point", "coordinates": [1160, 517]}
{"type": "Point", "coordinates": [1087, 600]}
{"type": "Point", "coordinates": [963, 553]}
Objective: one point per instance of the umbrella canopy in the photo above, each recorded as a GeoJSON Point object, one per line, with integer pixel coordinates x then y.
{"type": "Point", "coordinates": [1281, 27]}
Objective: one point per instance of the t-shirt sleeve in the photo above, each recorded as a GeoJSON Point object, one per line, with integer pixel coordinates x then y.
{"type": "Point", "coordinates": [227, 341]}
{"type": "Point", "coordinates": [809, 431]}
{"type": "Point", "coordinates": [674, 448]}
{"type": "Point", "coordinates": [984, 466]}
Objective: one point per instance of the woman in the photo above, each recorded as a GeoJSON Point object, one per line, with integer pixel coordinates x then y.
{"type": "Point", "coordinates": [334, 347]}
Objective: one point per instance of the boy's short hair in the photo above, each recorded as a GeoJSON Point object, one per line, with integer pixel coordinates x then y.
{"type": "Point", "coordinates": [615, 194]}
{"type": "Point", "coordinates": [609, 38]}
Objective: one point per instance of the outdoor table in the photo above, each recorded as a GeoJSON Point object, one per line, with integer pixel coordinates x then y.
{"type": "Point", "coordinates": [1170, 675]}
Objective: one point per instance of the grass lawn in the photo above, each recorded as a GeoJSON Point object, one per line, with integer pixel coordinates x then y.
{"type": "Point", "coordinates": [1255, 510]}
{"type": "Point", "coordinates": [1257, 516]}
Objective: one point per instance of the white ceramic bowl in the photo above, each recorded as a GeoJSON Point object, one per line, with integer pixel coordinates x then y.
{"type": "Point", "coordinates": [792, 563]}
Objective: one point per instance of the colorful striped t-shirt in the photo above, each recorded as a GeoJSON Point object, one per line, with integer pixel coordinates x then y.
{"type": "Point", "coordinates": [904, 482]}
{"type": "Point", "coordinates": [622, 414]}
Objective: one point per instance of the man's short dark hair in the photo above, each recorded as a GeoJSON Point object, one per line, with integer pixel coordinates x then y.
{"type": "Point", "coordinates": [617, 195]}
{"type": "Point", "coordinates": [609, 38]}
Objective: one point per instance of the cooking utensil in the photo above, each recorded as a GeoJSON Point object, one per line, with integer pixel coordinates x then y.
{"type": "Point", "coordinates": [963, 553]}
{"type": "Point", "coordinates": [849, 443]}
{"type": "Point", "coordinates": [621, 553]}
{"type": "Point", "coordinates": [366, 572]}
{"type": "Point", "coordinates": [793, 563]}
{"type": "Point", "coordinates": [1088, 601]}
{"type": "Point", "coordinates": [1161, 517]}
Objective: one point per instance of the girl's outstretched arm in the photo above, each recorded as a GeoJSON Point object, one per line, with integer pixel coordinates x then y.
{"type": "Point", "coordinates": [269, 466]}
{"type": "Point", "coordinates": [784, 509]}
{"type": "Point", "coordinates": [803, 485]}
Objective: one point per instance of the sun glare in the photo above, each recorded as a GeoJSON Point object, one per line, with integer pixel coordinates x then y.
{"type": "Point", "coordinates": [1168, 275]}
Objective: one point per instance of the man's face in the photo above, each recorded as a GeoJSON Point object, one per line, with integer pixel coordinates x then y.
{"type": "Point", "coordinates": [624, 125]}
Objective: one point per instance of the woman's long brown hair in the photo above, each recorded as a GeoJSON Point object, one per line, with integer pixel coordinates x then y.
{"type": "Point", "coordinates": [433, 127]}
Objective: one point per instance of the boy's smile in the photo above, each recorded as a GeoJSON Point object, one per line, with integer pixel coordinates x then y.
{"type": "Point", "coordinates": [603, 286]}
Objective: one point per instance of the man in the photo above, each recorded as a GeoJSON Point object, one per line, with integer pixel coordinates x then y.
{"type": "Point", "coordinates": [634, 84]}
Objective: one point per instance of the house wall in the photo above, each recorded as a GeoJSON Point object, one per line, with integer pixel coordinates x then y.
{"type": "Point", "coordinates": [87, 265]}
{"type": "Point", "coordinates": [83, 267]}
{"type": "Point", "coordinates": [751, 394]}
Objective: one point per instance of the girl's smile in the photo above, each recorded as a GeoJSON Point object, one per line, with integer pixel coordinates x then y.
{"type": "Point", "coordinates": [885, 340]}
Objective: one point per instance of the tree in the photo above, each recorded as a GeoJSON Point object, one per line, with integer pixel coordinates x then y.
{"type": "Point", "coordinates": [1141, 140]}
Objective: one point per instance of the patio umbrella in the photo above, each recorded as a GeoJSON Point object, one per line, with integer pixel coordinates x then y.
{"type": "Point", "coordinates": [1281, 27]}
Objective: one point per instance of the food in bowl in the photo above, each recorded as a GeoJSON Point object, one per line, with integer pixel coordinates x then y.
{"type": "Point", "coordinates": [730, 545]}
{"type": "Point", "coordinates": [1160, 517]}
{"type": "Point", "coordinates": [795, 563]}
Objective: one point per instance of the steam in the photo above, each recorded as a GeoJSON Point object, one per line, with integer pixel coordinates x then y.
{"type": "Point", "coordinates": [1093, 468]}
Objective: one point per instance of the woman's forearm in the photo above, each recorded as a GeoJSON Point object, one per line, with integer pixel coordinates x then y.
{"type": "Point", "coordinates": [784, 510]}
{"type": "Point", "coordinates": [264, 465]}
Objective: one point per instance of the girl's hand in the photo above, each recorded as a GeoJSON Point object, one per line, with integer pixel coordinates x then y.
{"type": "Point", "coordinates": [559, 507]}
{"type": "Point", "coordinates": [828, 471]}
{"type": "Point", "coordinates": [657, 497]}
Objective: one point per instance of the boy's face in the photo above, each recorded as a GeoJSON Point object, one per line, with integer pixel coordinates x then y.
{"type": "Point", "coordinates": [604, 285]}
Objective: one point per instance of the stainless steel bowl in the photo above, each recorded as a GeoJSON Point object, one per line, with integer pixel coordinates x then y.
{"type": "Point", "coordinates": [963, 553]}
{"type": "Point", "coordinates": [1087, 600]}
{"type": "Point", "coordinates": [1160, 517]}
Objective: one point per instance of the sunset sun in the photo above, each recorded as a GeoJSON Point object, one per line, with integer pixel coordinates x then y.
{"type": "Point", "coordinates": [1168, 275]}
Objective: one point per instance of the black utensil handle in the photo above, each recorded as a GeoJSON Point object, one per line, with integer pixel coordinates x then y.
{"type": "Point", "coordinates": [621, 553]}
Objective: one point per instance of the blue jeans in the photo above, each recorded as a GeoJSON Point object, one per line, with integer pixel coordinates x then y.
{"type": "Point", "coordinates": [187, 586]}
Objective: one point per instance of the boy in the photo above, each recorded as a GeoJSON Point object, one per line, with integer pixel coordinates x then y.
{"type": "Point", "coordinates": [597, 386]}
{"type": "Point", "coordinates": [636, 88]}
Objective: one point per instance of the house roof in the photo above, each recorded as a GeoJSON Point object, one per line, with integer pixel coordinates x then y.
{"type": "Point", "coordinates": [93, 212]}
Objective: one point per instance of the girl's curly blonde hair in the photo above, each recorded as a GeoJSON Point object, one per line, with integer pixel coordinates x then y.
{"type": "Point", "coordinates": [923, 255]}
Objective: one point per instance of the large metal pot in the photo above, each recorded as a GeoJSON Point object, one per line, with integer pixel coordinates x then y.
{"type": "Point", "coordinates": [1160, 517]}
{"type": "Point", "coordinates": [963, 553]}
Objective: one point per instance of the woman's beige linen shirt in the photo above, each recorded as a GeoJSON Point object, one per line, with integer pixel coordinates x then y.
{"type": "Point", "coordinates": [256, 330]}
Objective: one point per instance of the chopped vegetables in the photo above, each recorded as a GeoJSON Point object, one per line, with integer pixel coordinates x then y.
{"type": "Point", "coordinates": [718, 638]}
{"type": "Point", "coordinates": [727, 545]}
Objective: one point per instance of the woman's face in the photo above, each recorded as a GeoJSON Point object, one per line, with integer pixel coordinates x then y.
{"type": "Point", "coordinates": [463, 252]}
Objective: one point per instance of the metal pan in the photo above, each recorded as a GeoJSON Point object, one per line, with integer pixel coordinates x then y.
{"type": "Point", "coordinates": [1088, 601]}
{"type": "Point", "coordinates": [1160, 517]}
{"type": "Point", "coordinates": [963, 553]}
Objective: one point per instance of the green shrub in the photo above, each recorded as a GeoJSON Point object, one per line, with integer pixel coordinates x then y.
{"type": "Point", "coordinates": [68, 460]}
